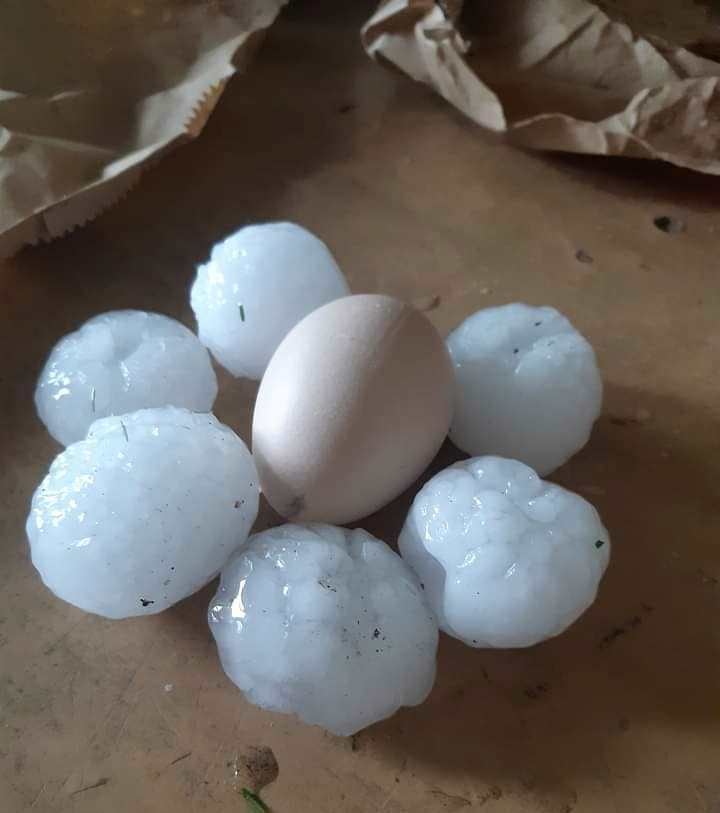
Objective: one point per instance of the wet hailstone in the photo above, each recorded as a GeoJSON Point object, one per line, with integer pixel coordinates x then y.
{"type": "Point", "coordinates": [143, 512]}
{"type": "Point", "coordinates": [118, 362]}
{"type": "Point", "coordinates": [506, 559]}
{"type": "Point", "coordinates": [258, 284]}
{"type": "Point", "coordinates": [325, 623]}
{"type": "Point", "coordinates": [527, 386]}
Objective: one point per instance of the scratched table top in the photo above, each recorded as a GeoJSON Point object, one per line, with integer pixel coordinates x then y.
{"type": "Point", "coordinates": [621, 713]}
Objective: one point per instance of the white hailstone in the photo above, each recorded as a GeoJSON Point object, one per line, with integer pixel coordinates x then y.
{"type": "Point", "coordinates": [506, 559]}
{"type": "Point", "coordinates": [118, 362]}
{"type": "Point", "coordinates": [143, 512]}
{"type": "Point", "coordinates": [326, 623]}
{"type": "Point", "coordinates": [257, 285]}
{"type": "Point", "coordinates": [527, 386]}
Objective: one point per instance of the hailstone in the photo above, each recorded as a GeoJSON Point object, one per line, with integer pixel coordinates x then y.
{"type": "Point", "coordinates": [326, 623]}
{"type": "Point", "coordinates": [143, 512]}
{"type": "Point", "coordinates": [506, 559]}
{"type": "Point", "coordinates": [527, 386]}
{"type": "Point", "coordinates": [118, 362]}
{"type": "Point", "coordinates": [257, 285]}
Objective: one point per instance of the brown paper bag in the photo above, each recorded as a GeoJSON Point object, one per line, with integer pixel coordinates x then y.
{"type": "Point", "coordinates": [564, 75]}
{"type": "Point", "coordinates": [92, 90]}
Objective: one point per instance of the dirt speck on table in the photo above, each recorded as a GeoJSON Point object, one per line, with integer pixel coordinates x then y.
{"type": "Point", "coordinates": [255, 768]}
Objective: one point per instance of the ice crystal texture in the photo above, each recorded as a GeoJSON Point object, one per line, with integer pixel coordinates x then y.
{"type": "Point", "coordinates": [527, 386]}
{"type": "Point", "coordinates": [326, 623]}
{"type": "Point", "coordinates": [506, 559]}
{"type": "Point", "coordinates": [119, 362]}
{"type": "Point", "coordinates": [258, 284]}
{"type": "Point", "coordinates": [143, 512]}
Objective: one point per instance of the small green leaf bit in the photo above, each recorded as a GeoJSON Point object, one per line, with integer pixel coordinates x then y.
{"type": "Point", "coordinates": [254, 803]}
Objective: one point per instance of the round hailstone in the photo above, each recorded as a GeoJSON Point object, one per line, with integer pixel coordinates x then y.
{"type": "Point", "coordinates": [143, 512]}
{"type": "Point", "coordinates": [527, 386]}
{"type": "Point", "coordinates": [506, 559]}
{"type": "Point", "coordinates": [118, 362]}
{"type": "Point", "coordinates": [325, 623]}
{"type": "Point", "coordinates": [258, 284]}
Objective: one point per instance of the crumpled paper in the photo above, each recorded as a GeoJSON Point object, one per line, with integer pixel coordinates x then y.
{"type": "Point", "coordinates": [568, 75]}
{"type": "Point", "coordinates": [92, 90]}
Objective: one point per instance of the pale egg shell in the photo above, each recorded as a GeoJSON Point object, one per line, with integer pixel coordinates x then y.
{"type": "Point", "coordinates": [355, 403]}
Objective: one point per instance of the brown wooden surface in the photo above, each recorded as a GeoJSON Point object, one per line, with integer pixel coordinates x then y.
{"type": "Point", "coordinates": [622, 713]}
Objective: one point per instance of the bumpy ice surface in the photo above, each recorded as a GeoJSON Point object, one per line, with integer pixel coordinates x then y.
{"type": "Point", "coordinates": [506, 558]}
{"type": "Point", "coordinates": [527, 386]}
{"type": "Point", "coordinates": [258, 284]}
{"type": "Point", "coordinates": [326, 623]}
{"type": "Point", "coordinates": [119, 362]}
{"type": "Point", "coordinates": [143, 512]}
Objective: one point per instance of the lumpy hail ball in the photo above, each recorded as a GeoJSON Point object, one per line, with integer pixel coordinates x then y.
{"type": "Point", "coordinates": [506, 559]}
{"type": "Point", "coordinates": [527, 386]}
{"type": "Point", "coordinates": [143, 512]}
{"type": "Point", "coordinates": [354, 405]}
{"type": "Point", "coordinates": [258, 284]}
{"type": "Point", "coordinates": [118, 362]}
{"type": "Point", "coordinates": [325, 623]}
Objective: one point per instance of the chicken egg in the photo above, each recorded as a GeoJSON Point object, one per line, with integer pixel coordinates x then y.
{"type": "Point", "coordinates": [354, 404]}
